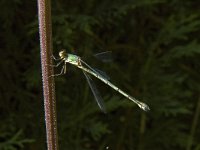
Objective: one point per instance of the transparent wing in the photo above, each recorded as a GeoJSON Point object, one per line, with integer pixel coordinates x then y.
{"type": "Point", "coordinates": [104, 56]}
{"type": "Point", "coordinates": [102, 73]}
{"type": "Point", "coordinates": [95, 92]}
{"type": "Point", "coordinates": [97, 71]}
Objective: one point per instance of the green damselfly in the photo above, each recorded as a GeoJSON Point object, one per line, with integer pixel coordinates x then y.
{"type": "Point", "coordinates": [75, 60]}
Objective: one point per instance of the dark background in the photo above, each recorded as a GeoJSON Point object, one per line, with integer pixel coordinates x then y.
{"type": "Point", "coordinates": [156, 50]}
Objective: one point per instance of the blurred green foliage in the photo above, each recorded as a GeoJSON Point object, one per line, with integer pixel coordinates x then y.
{"type": "Point", "coordinates": [156, 49]}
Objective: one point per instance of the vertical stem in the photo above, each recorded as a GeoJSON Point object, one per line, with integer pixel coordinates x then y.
{"type": "Point", "coordinates": [194, 125]}
{"type": "Point", "coordinates": [44, 14]}
{"type": "Point", "coordinates": [142, 130]}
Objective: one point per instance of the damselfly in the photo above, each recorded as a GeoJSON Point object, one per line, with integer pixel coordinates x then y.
{"type": "Point", "coordinates": [87, 69]}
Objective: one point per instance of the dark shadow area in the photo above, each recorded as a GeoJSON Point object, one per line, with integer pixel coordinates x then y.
{"type": "Point", "coordinates": [156, 52]}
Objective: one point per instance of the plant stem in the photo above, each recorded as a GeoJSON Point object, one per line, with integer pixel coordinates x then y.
{"type": "Point", "coordinates": [142, 131]}
{"type": "Point", "coordinates": [44, 15]}
{"type": "Point", "coordinates": [194, 125]}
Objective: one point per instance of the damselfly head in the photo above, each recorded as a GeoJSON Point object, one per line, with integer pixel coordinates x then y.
{"type": "Point", "coordinates": [63, 54]}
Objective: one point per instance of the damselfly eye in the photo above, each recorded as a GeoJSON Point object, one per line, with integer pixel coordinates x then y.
{"type": "Point", "coordinates": [63, 53]}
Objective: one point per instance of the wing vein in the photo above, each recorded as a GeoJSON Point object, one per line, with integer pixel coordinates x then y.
{"type": "Point", "coordinates": [95, 92]}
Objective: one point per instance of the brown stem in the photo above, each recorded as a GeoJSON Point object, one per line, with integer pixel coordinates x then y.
{"type": "Point", "coordinates": [44, 14]}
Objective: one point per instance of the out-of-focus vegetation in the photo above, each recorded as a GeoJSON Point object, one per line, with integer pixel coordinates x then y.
{"type": "Point", "coordinates": [156, 50]}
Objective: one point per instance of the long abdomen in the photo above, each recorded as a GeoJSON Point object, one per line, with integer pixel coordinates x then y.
{"type": "Point", "coordinates": [140, 104]}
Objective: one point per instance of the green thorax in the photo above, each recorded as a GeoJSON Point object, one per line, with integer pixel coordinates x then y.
{"type": "Point", "coordinates": [73, 59]}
